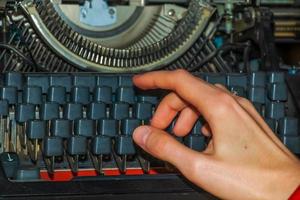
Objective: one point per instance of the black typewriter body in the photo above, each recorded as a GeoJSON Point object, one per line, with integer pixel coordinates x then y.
{"type": "Point", "coordinates": [68, 106]}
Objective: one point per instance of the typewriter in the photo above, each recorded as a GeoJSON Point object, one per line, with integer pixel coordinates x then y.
{"type": "Point", "coordinates": [68, 106]}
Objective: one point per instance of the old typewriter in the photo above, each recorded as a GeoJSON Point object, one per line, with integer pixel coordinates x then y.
{"type": "Point", "coordinates": [68, 106]}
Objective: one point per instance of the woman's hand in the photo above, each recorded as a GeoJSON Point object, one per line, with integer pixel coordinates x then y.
{"type": "Point", "coordinates": [244, 159]}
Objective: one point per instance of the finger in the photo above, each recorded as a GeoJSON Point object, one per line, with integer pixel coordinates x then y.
{"type": "Point", "coordinates": [163, 146]}
{"type": "Point", "coordinates": [210, 148]}
{"type": "Point", "coordinates": [206, 130]}
{"type": "Point", "coordinates": [167, 110]}
{"type": "Point", "coordinates": [210, 102]}
{"type": "Point", "coordinates": [186, 121]}
{"type": "Point", "coordinates": [249, 107]}
{"type": "Point", "coordinates": [222, 87]}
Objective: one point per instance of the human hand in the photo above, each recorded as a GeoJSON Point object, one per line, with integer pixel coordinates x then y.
{"type": "Point", "coordinates": [243, 160]}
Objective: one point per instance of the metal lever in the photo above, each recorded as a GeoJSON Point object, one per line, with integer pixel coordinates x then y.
{"type": "Point", "coordinates": [73, 162]}
{"type": "Point", "coordinates": [50, 164]}
{"type": "Point", "coordinates": [121, 161]}
{"type": "Point", "coordinates": [98, 163]}
{"type": "Point", "coordinates": [33, 149]}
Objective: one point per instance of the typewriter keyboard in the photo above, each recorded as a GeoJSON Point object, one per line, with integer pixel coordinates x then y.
{"type": "Point", "coordinates": [53, 124]}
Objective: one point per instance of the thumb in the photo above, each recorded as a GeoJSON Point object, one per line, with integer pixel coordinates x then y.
{"type": "Point", "coordinates": [165, 147]}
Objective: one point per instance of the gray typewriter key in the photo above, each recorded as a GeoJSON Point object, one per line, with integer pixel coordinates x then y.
{"type": "Point", "coordinates": [125, 81]}
{"type": "Point", "coordinates": [80, 95]}
{"type": "Point", "coordinates": [195, 142]}
{"type": "Point", "coordinates": [271, 123]}
{"type": "Point", "coordinates": [107, 127]}
{"type": "Point", "coordinates": [101, 145]}
{"type": "Point", "coordinates": [85, 80]}
{"type": "Point", "coordinates": [103, 94]}
{"type": "Point", "coordinates": [142, 111]}
{"type": "Point", "coordinates": [216, 79]}
{"type": "Point", "coordinates": [61, 80]}
{"type": "Point", "coordinates": [239, 80]}
{"type": "Point", "coordinates": [258, 107]}
{"type": "Point", "coordinates": [84, 127]}
{"type": "Point", "coordinates": [110, 81]}
{"type": "Point", "coordinates": [49, 110]}
{"type": "Point", "coordinates": [197, 128]}
{"type": "Point", "coordinates": [10, 94]}
{"type": "Point", "coordinates": [275, 110]}
{"type": "Point", "coordinates": [276, 77]}
{"type": "Point", "coordinates": [57, 94]}
{"type": "Point", "coordinates": [124, 145]}
{"type": "Point", "coordinates": [150, 99]}
{"type": "Point", "coordinates": [4, 107]}
{"type": "Point", "coordinates": [171, 126]}
{"type": "Point", "coordinates": [73, 111]}
{"type": "Point", "coordinates": [129, 125]}
{"type": "Point", "coordinates": [254, 65]}
{"type": "Point", "coordinates": [96, 111]}
{"type": "Point", "coordinates": [120, 111]}
{"type": "Point", "coordinates": [257, 94]}
{"type": "Point", "coordinates": [10, 163]}
{"type": "Point", "coordinates": [36, 129]}
{"type": "Point", "coordinates": [28, 174]}
{"type": "Point", "coordinates": [292, 143]}
{"type": "Point", "coordinates": [32, 95]}
{"type": "Point", "coordinates": [200, 75]}
{"type": "Point", "coordinates": [237, 90]}
{"type": "Point", "coordinates": [14, 79]}
{"type": "Point", "coordinates": [126, 94]}
{"type": "Point", "coordinates": [61, 128]}
{"type": "Point", "coordinates": [25, 112]}
{"type": "Point", "coordinates": [257, 79]}
{"type": "Point", "coordinates": [53, 146]}
{"type": "Point", "coordinates": [170, 130]}
{"type": "Point", "coordinates": [179, 139]}
{"type": "Point", "coordinates": [39, 80]}
{"type": "Point", "coordinates": [288, 126]}
{"type": "Point", "coordinates": [277, 92]}
{"type": "Point", "coordinates": [77, 145]}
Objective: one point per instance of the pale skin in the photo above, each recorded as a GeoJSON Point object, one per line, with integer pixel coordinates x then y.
{"type": "Point", "coordinates": [244, 159]}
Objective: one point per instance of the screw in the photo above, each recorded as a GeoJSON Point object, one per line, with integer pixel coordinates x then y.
{"type": "Point", "coordinates": [111, 11]}
{"type": "Point", "coordinates": [171, 12]}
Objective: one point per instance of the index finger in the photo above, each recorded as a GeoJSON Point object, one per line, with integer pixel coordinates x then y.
{"type": "Point", "coordinates": [197, 92]}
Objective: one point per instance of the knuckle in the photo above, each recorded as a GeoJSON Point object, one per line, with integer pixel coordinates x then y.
{"type": "Point", "coordinates": [155, 121]}
{"type": "Point", "coordinates": [225, 103]}
{"type": "Point", "coordinates": [245, 102]}
{"type": "Point", "coordinates": [181, 72]}
{"type": "Point", "coordinates": [218, 85]}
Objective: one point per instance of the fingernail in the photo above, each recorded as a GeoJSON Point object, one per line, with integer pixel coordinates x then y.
{"type": "Point", "coordinates": [141, 134]}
